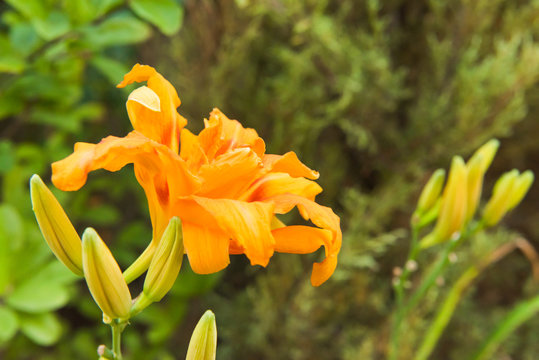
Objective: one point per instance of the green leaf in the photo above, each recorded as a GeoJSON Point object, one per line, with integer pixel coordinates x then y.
{"type": "Point", "coordinates": [29, 8]}
{"type": "Point", "coordinates": [7, 156]}
{"type": "Point", "coordinates": [112, 69]}
{"type": "Point", "coordinates": [52, 26]}
{"type": "Point", "coordinates": [23, 38]}
{"type": "Point", "coordinates": [104, 6]}
{"type": "Point", "coordinates": [120, 29]}
{"type": "Point", "coordinates": [10, 60]}
{"type": "Point", "coordinates": [43, 329]}
{"type": "Point", "coordinates": [44, 291]}
{"type": "Point", "coordinates": [167, 15]}
{"type": "Point", "coordinates": [11, 226]}
{"type": "Point", "coordinates": [81, 11]}
{"type": "Point", "coordinates": [9, 322]}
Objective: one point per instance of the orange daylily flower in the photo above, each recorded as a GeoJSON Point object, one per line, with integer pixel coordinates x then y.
{"type": "Point", "coordinates": [221, 184]}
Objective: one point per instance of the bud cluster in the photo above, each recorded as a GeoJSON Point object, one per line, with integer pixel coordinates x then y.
{"type": "Point", "coordinates": [455, 205]}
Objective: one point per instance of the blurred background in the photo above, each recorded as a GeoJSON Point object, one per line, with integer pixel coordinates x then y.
{"type": "Point", "coordinates": [373, 94]}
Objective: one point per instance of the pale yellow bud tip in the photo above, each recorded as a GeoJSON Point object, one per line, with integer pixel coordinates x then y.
{"type": "Point", "coordinates": [487, 153]}
{"type": "Point", "coordinates": [203, 344]}
{"type": "Point", "coordinates": [166, 262]}
{"type": "Point", "coordinates": [520, 188]}
{"type": "Point", "coordinates": [55, 226]}
{"type": "Point", "coordinates": [104, 277]}
{"type": "Point", "coordinates": [431, 192]}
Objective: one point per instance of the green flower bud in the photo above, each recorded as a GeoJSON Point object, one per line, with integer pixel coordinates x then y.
{"type": "Point", "coordinates": [203, 344]}
{"type": "Point", "coordinates": [500, 201]}
{"type": "Point", "coordinates": [521, 187]}
{"type": "Point", "coordinates": [166, 262]}
{"type": "Point", "coordinates": [454, 205]}
{"type": "Point", "coordinates": [475, 184]}
{"type": "Point", "coordinates": [487, 153]}
{"type": "Point", "coordinates": [55, 226]}
{"type": "Point", "coordinates": [104, 277]}
{"type": "Point", "coordinates": [431, 192]}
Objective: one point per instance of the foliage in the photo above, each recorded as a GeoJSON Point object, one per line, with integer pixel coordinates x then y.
{"type": "Point", "coordinates": [375, 95]}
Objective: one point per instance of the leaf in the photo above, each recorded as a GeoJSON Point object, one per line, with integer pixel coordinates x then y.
{"type": "Point", "coordinates": [11, 226]}
{"type": "Point", "coordinates": [9, 322]}
{"type": "Point", "coordinates": [112, 69]}
{"type": "Point", "coordinates": [7, 156]}
{"type": "Point", "coordinates": [29, 8]}
{"type": "Point", "coordinates": [23, 38]}
{"type": "Point", "coordinates": [120, 29]}
{"type": "Point", "coordinates": [167, 15]}
{"type": "Point", "coordinates": [52, 26]}
{"type": "Point", "coordinates": [44, 291]}
{"type": "Point", "coordinates": [43, 329]}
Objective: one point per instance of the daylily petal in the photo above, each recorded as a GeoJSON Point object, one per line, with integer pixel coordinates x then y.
{"type": "Point", "coordinates": [246, 223]}
{"type": "Point", "coordinates": [273, 184]}
{"type": "Point", "coordinates": [113, 153]}
{"type": "Point", "coordinates": [299, 239]}
{"type": "Point", "coordinates": [234, 135]}
{"type": "Point", "coordinates": [168, 123]}
{"type": "Point", "coordinates": [207, 249]}
{"type": "Point", "coordinates": [191, 151]}
{"type": "Point", "coordinates": [322, 217]}
{"type": "Point", "coordinates": [230, 174]}
{"type": "Point", "coordinates": [290, 164]}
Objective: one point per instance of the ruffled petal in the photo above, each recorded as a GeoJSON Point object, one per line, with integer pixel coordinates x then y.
{"type": "Point", "coordinates": [191, 151]}
{"type": "Point", "coordinates": [167, 122]}
{"type": "Point", "coordinates": [113, 153]}
{"type": "Point", "coordinates": [299, 239]}
{"type": "Point", "coordinates": [273, 184]}
{"type": "Point", "coordinates": [230, 174]}
{"type": "Point", "coordinates": [322, 217]}
{"type": "Point", "coordinates": [248, 224]}
{"type": "Point", "coordinates": [206, 248]}
{"type": "Point", "coordinates": [234, 135]}
{"type": "Point", "coordinates": [290, 164]}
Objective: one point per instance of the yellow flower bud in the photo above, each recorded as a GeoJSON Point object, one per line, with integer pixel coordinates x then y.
{"type": "Point", "coordinates": [487, 153]}
{"type": "Point", "coordinates": [55, 226]}
{"type": "Point", "coordinates": [475, 168]}
{"type": "Point", "coordinates": [454, 205]}
{"type": "Point", "coordinates": [521, 187]}
{"type": "Point", "coordinates": [499, 203]}
{"type": "Point", "coordinates": [104, 277]}
{"type": "Point", "coordinates": [166, 262]}
{"type": "Point", "coordinates": [431, 192]}
{"type": "Point", "coordinates": [203, 344]}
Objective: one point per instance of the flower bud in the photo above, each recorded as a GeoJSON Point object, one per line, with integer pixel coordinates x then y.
{"type": "Point", "coordinates": [499, 203]}
{"type": "Point", "coordinates": [487, 153]}
{"type": "Point", "coordinates": [521, 187]}
{"type": "Point", "coordinates": [55, 226]}
{"type": "Point", "coordinates": [431, 191]}
{"type": "Point", "coordinates": [475, 184]}
{"type": "Point", "coordinates": [104, 277]}
{"type": "Point", "coordinates": [166, 262]}
{"type": "Point", "coordinates": [454, 205]}
{"type": "Point", "coordinates": [203, 344]}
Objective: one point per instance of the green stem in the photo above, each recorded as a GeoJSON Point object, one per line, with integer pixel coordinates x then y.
{"type": "Point", "coordinates": [516, 317]}
{"type": "Point", "coordinates": [117, 327]}
{"type": "Point", "coordinates": [432, 335]}
{"type": "Point", "coordinates": [399, 294]}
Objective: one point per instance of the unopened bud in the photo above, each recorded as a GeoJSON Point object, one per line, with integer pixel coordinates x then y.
{"type": "Point", "coordinates": [499, 203]}
{"type": "Point", "coordinates": [521, 187]}
{"type": "Point", "coordinates": [475, 184]}
{"type": "Point", "coordinates": [55, 226]}
{"type": "Point", "coordinates": [104, 277]}
{"type": "Point", "coordinates": [486, 153]}
{"type": "Point", "coordinates": [431, 192]}
{"type": "Point", "coordinates": [166, 262]}
{"type": "Point", "coordinates": [203, 344]}
{"type": "Point", "coordinates": [454, 205]}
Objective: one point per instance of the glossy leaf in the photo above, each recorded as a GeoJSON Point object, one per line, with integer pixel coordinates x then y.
{"type": "Point", "coordinates": [43, 329]}
{"type": "Point", "coordinates": [9, 324]}
{"type": "Point", "coordinates": [167, 15]}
